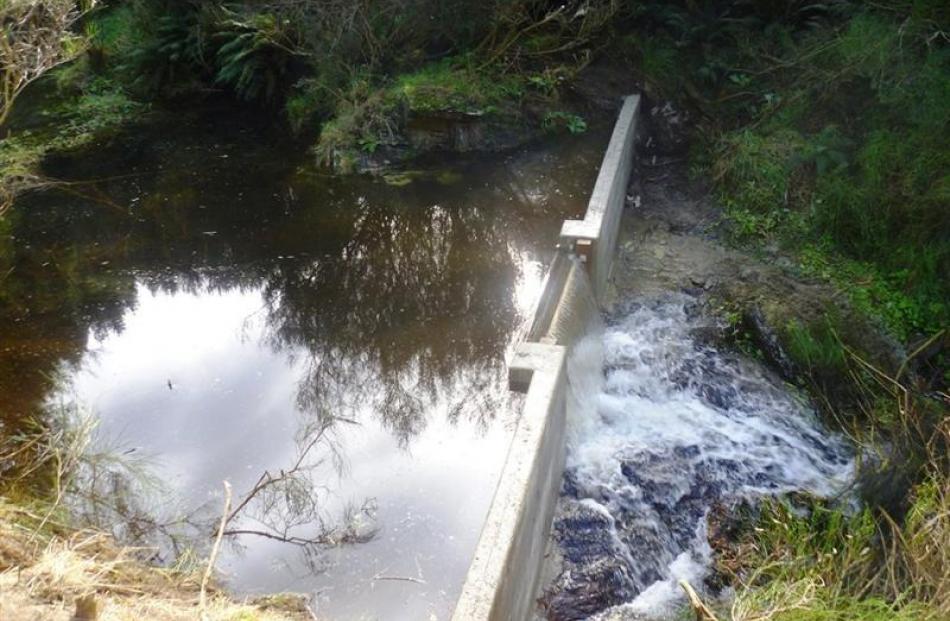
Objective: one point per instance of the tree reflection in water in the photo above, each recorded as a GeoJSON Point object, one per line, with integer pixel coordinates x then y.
{"type": "Point", "coordinates": [408, 311]}
{"type": "Point", "coordinates": [397, 303]}
{"type": "Point", "coordinates": [105, 487]}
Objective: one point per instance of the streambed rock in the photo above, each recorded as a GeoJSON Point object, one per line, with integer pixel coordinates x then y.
{"type": "Point", "coordinates": [679, 427]}
{"type": "Point", "coordinates": [600, 573]}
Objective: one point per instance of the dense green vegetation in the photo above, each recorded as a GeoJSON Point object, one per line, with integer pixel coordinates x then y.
{"type": "Point", "coordinates": [87, 111]}
{"type": "Point", "coordinates": [352, 73]}
{"type": "Point", "coordinates": [824, 128]}
{"type": "Point", "coordinates": [347, 76]}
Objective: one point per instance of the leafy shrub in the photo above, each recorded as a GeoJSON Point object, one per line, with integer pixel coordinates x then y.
{"type": "Point", "coordinates": [174, 48]}
{"type": "Point", "coordinates": [253, 57]}
{"type": "Point", "coordinates": [366, 115]}
{"type": "Point", "coordinates": [755, 168]}
{"type": "Point", "coordinates": [166, 53]}
{"type": "Point", "coordinates": [306, 102]}
{"type": "Point", "coordinates": [560, 119]}
{"type": "Point", "coordinates": [859, 174]}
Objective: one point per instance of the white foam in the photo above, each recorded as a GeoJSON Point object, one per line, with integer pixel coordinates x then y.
{"type": "Point", "coordinates": [671, 419]}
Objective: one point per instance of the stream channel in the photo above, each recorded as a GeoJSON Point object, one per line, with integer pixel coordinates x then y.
{"type": "Point", "coordinates": [668, 427]}
{"type": "Point", "coordinates": [218, 307]}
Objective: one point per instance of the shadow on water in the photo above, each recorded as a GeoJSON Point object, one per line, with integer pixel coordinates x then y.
{"type": "Point", "coordinates": [211, 298]}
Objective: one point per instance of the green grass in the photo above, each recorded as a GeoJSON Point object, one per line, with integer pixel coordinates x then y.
{"type": "Point", "coordinates": [456, 85]}
{"type": "Point", "coordinates": [364, 117]}
{"type": "Point", "coordinates": [837, 149]}
{"type": "Point", "coordinates": [884, 293]}
{"type": "Point", "coordinates": [823, 563]}
{"type": "Point", "coordinates": [371, 110]}
{"type": "Point", "coordinates": [816, 349]}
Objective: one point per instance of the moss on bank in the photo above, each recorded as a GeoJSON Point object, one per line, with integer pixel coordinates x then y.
{"type": "Point", "coordinates": [421, 110]}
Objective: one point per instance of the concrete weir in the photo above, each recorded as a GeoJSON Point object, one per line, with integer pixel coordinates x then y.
{"type": "Point", "coordinates": [503, 578]}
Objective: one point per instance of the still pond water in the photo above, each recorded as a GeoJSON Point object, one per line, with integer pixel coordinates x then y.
{"type": "Point", "coordinates": [215, 303]}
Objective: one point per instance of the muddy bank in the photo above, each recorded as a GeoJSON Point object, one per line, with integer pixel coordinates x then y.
{"type": "Point", "coordinates": [593, 97]}
{"type": "Point", "coordinates": [673, 238]}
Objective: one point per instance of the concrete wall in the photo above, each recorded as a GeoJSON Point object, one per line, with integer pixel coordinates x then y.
{"type": "Point", "coordinates": [595, 237]}
{"type": "Point", "coordinates": [503, 578]}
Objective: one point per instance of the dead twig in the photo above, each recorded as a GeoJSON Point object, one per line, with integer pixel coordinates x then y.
{"type": "Point", "coordinates": [379, 578]}
{"type": "Point", "coordinates": [703, 613]}
{"type": "Point", "coordinates": [267, 479]}
{"type": "Point", "coordinates": [202, 603]}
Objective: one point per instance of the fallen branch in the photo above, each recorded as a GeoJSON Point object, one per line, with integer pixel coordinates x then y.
{"type": "Point", "coordinates": [202, 603]}
{"type": "Point", "coordinates": [703, 613]}
{"type": "Point", "coordinates": [398, 579]}
{"type": "Point", "coordinates": [291, 539]}
{"type": "Point", "coordinates": [267, 479]}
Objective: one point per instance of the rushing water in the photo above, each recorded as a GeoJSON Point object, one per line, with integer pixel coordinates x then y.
{"type": "Point", "coordinates": [216, 305]}
{"type": "Point", "coordinates": [674, 427]}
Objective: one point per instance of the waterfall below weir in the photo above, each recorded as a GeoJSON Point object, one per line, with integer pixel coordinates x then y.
{"type": "Point", "coordinates": [661, 428]}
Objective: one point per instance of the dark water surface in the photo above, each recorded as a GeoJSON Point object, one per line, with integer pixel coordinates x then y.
{"type": "Point", "coordinates": [213, 301]}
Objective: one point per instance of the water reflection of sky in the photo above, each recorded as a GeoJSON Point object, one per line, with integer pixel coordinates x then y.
{"type": "Point", "coordinates": [224, 299]}
{"type": "Point", "coordinates": [231, 413]}
{"type": "Point", "coordinates": [225, 388]}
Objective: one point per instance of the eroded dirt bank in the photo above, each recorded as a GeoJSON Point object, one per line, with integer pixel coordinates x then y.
{"type": "Point", "coordinates": [674, 238]}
